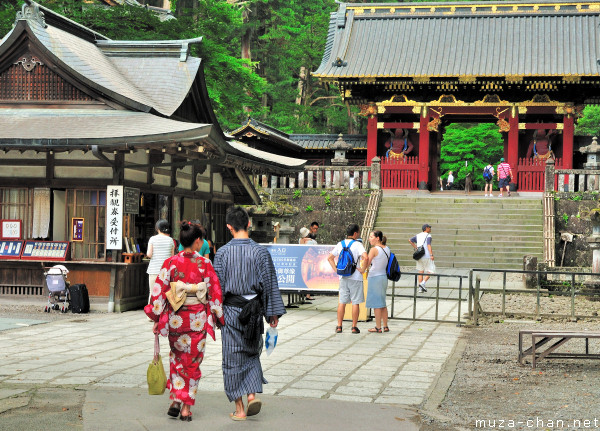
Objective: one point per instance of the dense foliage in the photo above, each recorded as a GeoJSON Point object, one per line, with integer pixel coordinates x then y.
{"type": "Point", "coordinates": [589, 125]}
{"type": "Point", "coordinates": [468, 148]}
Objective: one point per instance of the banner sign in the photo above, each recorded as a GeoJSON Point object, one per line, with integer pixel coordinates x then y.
{"type": "Point", "coordinates": [114, 217]}
{"type": "Point", "coordinates": [303, 266]}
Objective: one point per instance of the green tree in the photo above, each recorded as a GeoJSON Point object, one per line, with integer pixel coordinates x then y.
{"type": "Point", "coordinates": [477, 145]}
{"type": "Point", "coordinates": [589, 124]}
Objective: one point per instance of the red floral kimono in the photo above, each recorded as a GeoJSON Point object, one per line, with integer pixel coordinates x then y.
{"type": "Point", "coordinates": [186, 328]}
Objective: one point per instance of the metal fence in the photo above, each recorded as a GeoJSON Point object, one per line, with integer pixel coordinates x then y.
{"type": "Point", "coordinates": [544, 285]}
{"type": "Point", "coordinates": [442, 289]}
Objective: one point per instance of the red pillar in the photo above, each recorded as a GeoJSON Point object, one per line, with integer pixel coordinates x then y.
{"type": "Point", "coordinates": [423, 151]}
{"type": "Point", "coordinates": [568, 132]}
{"type": "Point", "coordinates": [512, 150]}
{"type": "Point", "coordinates": [371, 138]}
{"type": "Point", "coordinates": [567, 153]}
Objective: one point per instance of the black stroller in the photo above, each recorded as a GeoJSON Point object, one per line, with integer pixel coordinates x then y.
{"type": "Point", "coordinates": [58, 289]}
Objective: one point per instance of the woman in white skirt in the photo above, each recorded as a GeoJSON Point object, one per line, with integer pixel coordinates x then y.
{"type": "Point", "coordinates": [377, 280]}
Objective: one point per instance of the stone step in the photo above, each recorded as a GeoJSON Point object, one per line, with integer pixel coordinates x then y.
{"type": "Point", "coordinates": [467, 232]}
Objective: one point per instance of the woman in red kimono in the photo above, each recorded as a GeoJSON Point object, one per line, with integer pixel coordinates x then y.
{"type": "Point", "coordinates": [186, 305]}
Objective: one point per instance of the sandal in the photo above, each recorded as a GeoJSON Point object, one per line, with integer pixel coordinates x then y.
{"type": "Point", "coordinates": [234, 417]}
{"type": "Point", "coordinates": [375, 329]}
{"type": "Point", "coordinates": [253, 407]}
{"type": "Point", "coordinates": [355, 330]}
{"type": "Point", "coordinates": [187, 418]}
{"type": "Point", "coordinates": [338, 329]}
{"type": "Point", "coordinates": [174, 410]}
{"type": "Point", "coordinates": [386, 329]}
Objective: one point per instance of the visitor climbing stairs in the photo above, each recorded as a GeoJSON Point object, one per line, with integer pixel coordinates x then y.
{"type": "Point", "coordinates": [467, 231]}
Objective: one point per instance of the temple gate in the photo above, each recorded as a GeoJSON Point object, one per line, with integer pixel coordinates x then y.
{"type": "Point", "coordinates": [415, 67]}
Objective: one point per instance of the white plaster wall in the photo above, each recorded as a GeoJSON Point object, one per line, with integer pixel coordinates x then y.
{"type": "Point", "coordinates": [24, 171]}
{"type": "Point", "coordinates": [83, 172]}
{"type": "Point", "coordinates": [135, 175]}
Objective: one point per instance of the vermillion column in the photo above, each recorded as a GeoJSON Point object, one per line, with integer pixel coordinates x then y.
{"type": "Point", "coordinates": [371, 138]}
{"type": "Point", "coordinates": [567, 154]}
{"type": "Point", "coordinates": [423, 149]}
{"type": "Point", "coordinates": [512, 155]}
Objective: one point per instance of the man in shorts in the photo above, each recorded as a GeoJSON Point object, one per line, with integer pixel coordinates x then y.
{"type": "Point", "coordinates": [351, 287]}
{"type": "Point", "coordinates": [425, 264]}
{"type": "Point", "coordinates": [504, 177]}
{"type": "Point", "coordinates": [488, 176]}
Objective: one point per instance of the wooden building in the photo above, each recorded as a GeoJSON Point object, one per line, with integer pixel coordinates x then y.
{"type": "Point", "coordinates": [80, 113]}
{"type": "Point", "coordinates": [316, 149]}
{"type": "Point", "coordinates": [529, 67]}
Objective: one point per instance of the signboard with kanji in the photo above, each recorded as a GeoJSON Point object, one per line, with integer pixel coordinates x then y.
{"type": "Point", "coordinates": [114, 217]}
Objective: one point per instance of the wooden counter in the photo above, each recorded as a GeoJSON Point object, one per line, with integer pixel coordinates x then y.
{"type": "Point", "coordinates": [125, 284]}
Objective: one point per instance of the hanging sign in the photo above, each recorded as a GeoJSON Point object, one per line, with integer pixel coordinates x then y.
{"type": "Point", "coordinates": [10, 229]}
{"type": "Point", "coordinates": [77, 229]}
{"type": "Point", "coordinates": [114, 217]}
{"type": "Point", "coordinates": [131, 200]}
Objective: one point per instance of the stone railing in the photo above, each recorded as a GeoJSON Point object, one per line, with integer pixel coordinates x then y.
{"type": "Point", "coordinates": [326, 177]}
{"type": "Point", "coordinates": [571, 180]}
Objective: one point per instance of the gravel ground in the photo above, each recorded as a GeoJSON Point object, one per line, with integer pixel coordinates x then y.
{"type": "Point", "coordinates": [34, 312]}
{"type": "Point", "coordinates": [489, 384]}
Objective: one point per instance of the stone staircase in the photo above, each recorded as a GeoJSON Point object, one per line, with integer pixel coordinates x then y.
{"type": "Point", "coordinates": [467, 231]}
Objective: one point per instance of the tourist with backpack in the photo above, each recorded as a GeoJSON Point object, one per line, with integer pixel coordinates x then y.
{"type": "Point", "coordinates": [488, 176]}
{"type": "Point", "coordinates": [351, 255]}
{"type": "Point", "coordinates": [377, 280]}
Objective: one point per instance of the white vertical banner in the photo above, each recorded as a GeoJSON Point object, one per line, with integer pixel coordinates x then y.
{"type": "Point", "coordinates": [114, 217]}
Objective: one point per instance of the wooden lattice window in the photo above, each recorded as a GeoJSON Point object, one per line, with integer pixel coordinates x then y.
{"type": "Point", "coordinates": [16, 204]}
{"type": "Point", "coordinates": [91, 205]}
{"type": "Point", "coordinates": [30, 80]}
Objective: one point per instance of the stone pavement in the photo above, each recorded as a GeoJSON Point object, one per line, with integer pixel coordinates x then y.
{"type": "Point", "coordinates": [313, 373]}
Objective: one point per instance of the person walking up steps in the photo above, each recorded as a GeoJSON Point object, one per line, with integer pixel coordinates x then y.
{"type": "Point", "coordinates": [488, 176]}
{"type": "Point", "coordinates": [504, 176]}
{"type": "Point", "coordinates": [424, 264]}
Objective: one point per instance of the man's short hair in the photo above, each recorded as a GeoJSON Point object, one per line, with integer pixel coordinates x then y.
{"type": "Point", "coordinates": [237, 218]}
{"type": "Point", "coordinates": [352, 229]}
{"type": "Point", "coordinates": [314, 224]}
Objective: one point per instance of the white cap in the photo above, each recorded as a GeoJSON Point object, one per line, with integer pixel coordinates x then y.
{"type": "Point", "coordinates": [304, 232]}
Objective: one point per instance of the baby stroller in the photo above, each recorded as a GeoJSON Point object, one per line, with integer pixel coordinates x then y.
{"type": "Point", "coordinates": [58, 289]}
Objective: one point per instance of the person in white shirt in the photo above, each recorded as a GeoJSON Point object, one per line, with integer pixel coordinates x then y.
{"type": "Point", "coordinates": [377, 280]}
{"type": "Point", "coordinates": [160, 248]}
{"type": "Point", "coordinates": [425, 264]}
{"type": "Point", "coordinates": [450, 181]}
{"type": "Point", "coordinates": [351, 287]}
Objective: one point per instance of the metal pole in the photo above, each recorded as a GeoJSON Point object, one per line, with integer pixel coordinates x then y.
{"type": "Point", "coordinates": [476, 301]}
{"type": "Point", "coordinates": [504, 294]}
{"type": "Point", "coordinates": [393, 297]}
{"type": "Point", "coordinates": [459, 299]}
{"type": "Point", "coordinates": [470, 293]}
{"type": "Point", "coordinates": [572, 297]}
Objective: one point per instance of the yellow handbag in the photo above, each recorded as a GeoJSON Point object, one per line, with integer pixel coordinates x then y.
{"type": "Point", "coordinates": [157, 380]}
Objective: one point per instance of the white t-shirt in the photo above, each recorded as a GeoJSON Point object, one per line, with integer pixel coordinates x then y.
{"type": "Point", "coordinates": [161, 251]}
{"type": "Point", "coordinates": [420, 239]}
{"type": "Point", "coordinates": [379, 263]}
{"type": "Point", "coordinates": [357, 249]}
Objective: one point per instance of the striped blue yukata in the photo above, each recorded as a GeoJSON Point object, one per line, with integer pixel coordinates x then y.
{"type": "Point", "coordinates": [241, 264]}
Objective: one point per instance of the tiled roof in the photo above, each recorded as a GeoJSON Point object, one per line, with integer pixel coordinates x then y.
{"type": "Point", "coordinates": [245, 150]}
{"type": "Point", "coordinates": [81, 126]}
{"type": "Point", "coordinates": [263, 130]}
{"type": "Point", "coordinates": [142, 75]}
{"type": "Point", "coordinates": [324, 142]}
{"type": "Point", "coordinates": [488, 39]}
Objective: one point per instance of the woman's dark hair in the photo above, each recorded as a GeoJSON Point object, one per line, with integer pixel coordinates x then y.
{"type": "Point", "coordinates": [378, 234]}
{"type": "Point", "coordinates": [162, 226]}
{"type": "Point", "coordinates": [188, 233]}
{"type": "Point", "coordinates": [237, 218]}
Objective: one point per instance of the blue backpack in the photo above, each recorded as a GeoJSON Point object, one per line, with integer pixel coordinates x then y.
{"type": "Point", "coordinates": [487, 174]}
{"type": "Point", "coordinates": [345, 264]}
{"type": "Point", "coordinates": [392, 270]}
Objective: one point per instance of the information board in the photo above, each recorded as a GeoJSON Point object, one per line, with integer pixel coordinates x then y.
{"type": "Point", "coordinates": [46, 250]}
{"type": "Point", "coordinates": [131, 200]}
{"type": "Point", "coordinates": [303, 267]}
{"type": "Point", "coordinates": [11, 249]}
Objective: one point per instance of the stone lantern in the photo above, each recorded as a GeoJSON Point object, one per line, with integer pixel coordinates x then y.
{"type": "Point", "coordinates": [340, 147]}
{"type": "Point", "coordinates": [593, 154]}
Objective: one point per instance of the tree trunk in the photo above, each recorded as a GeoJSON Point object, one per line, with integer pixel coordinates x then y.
{"type": "Point", "coordinates": [301, 80]}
